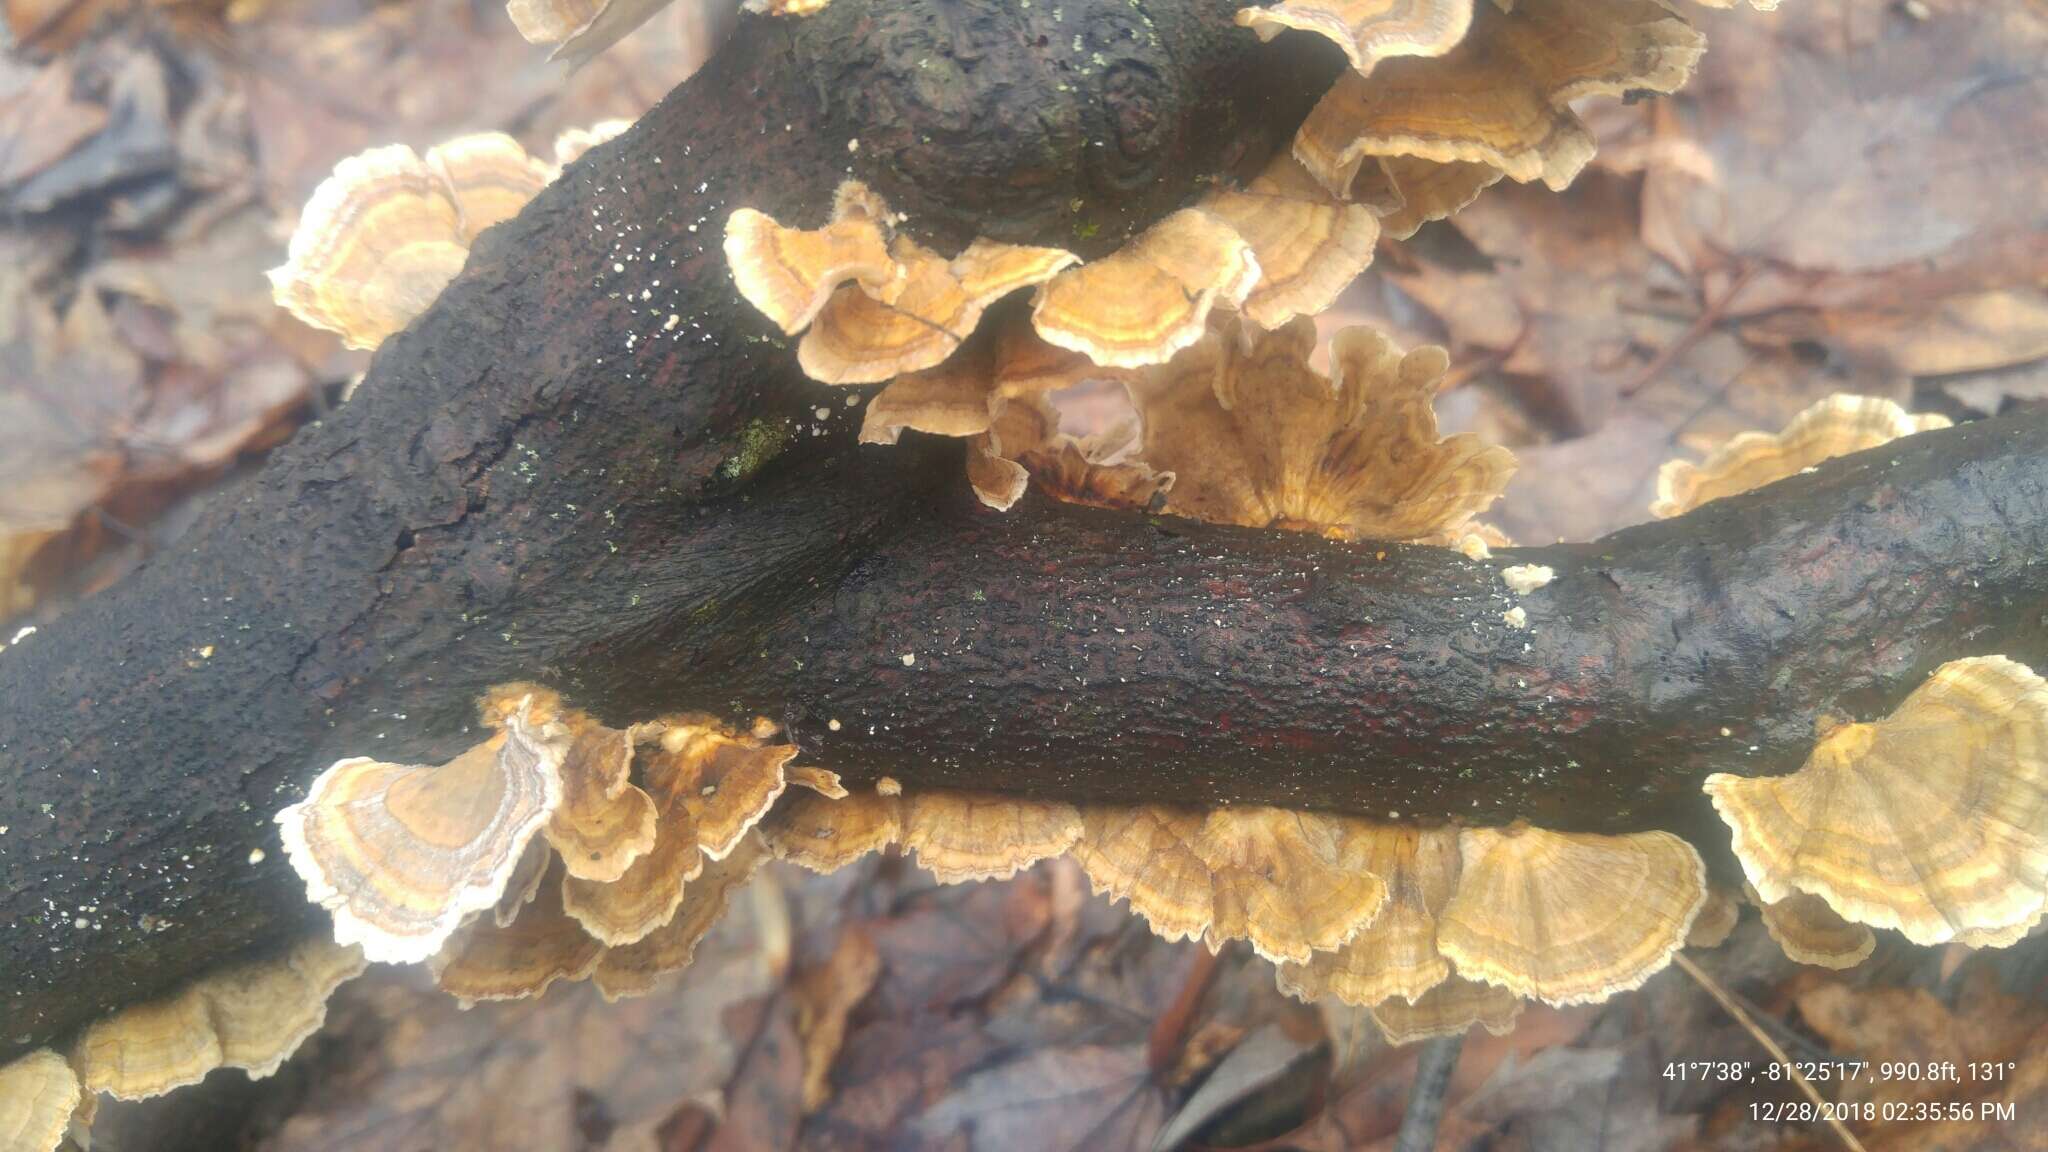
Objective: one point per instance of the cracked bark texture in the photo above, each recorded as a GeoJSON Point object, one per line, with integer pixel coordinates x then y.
{"type": "Point", "coordinates": [541, 469]}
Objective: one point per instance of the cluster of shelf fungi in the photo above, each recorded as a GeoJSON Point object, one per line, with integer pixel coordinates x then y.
{"type": "Point", "coordinates": [563, 848]}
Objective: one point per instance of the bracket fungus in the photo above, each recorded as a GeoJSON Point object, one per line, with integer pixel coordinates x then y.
{"type": "Point", "coordinates": [383, 234]}
{"type": "Point", "coordinates": [580, 29]}
{"type": "Point", "coordinates": [1503, 96]}
{"type": "Point", "coordinates": [1368, 30]}
{"type": "Point", "coordinates": [1569, 918]}
{"type": "Point", "coordinates": [1450, 1008]}
{"type": "Point", "coordinates": [38, 1094]}
{"type": "Point", "coordinates": [487, 961]}
{"type": "Point", "coordinates": [1257, 437]}
{"type": "Point", "coordinates": [605, 821]}
{"type": "Point", "coordinates": [1932, 821]}
{"type": "Point", "coordinates": [1395, 955]}
{"type": "Point", "coordinates": [401, 853]}
{"type": "Point", "coordinates": [1835, 426]}
{"type": "Point", "coordinates": [1292, 883]}
{"type": "Point", "coordinates": [1308, 244]}
{"type": "Point", "coordinates": [1151, 298]}
{"type": "Point", "coordinates": [1809, 932]}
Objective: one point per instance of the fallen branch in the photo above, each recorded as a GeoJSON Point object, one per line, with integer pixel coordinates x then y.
{"type": "Point", "coordinates": [522, 492]}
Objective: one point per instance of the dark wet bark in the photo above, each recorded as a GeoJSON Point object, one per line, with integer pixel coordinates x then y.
{"type": "Point", "coordinates": [588, 443]}
{"type": "Point", "coordinates": [546, 479]}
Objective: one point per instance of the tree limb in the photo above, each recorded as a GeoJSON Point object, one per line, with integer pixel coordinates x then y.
{"type": "Point", "coordinates": [520, 492]}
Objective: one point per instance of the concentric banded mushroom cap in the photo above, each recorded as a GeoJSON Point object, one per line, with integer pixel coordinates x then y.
{"type": "Point", "coordinates": [1418, 191]}
{"type": "Point", "coordinates": [1933, 821]}
{"type": "Point", "coordinates": [646, 895]}
{"type": "Point", "coordinates": [1716, 920]}
{"type": "Point", "coordinates": [1836, 426]}
{"type": "Point", "coordinates": [1809, 932]}
{"type": "Point", "coordinates": [580, 29]}
{"type": "Point", "coordinates": [1395, 954]}
{"type": "Point", "coordinates": [1566, 917]}
{"type": "Point", "coordinates": [148, 1049]}
{"type": "Point", "coordinates": [605, 822]}
{"type": "Point", "coordinates": [1502, 96]}
{"type": "Point", "coordinates": [1100, 468]}
{"type": "Point", "coordinates": [789, 273]}
{"type": "Point", "coordinates": [486, 962]}
{"type": "Point", "coordinates": [1368, 30]}
{"type": "Point", "coordinates": [401, 853]}
{"type": "Point", "coordinates": [635, 969]}
{"type": "Point", "coordinates": [262, 1011]}
{"type": "Point", "coordinates": [1259, 438]}
{"type": "Point", "coordinates": [966, 836]}
{"type": "Point", "coordinates": [1291, 883]}
{"type": "Point", "coordinates": [1151, 298]}
{"type": "Point", "coordinates": [727, 781]}
{"type": "Point", "coordinates": [1447, 1009]}
{"type": "Point", "coordinates": [38, 1093]}
{"type": "Point", "coordinates": [389, 229]}
{"type": "Point", "coordinates": [825, 834]}
{"type": "Point", "coordinates": [1309, 245]}
{"type": "Point", "coordinates": [919, 318]}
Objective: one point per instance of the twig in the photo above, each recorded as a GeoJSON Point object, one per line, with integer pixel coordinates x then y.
{"type": "Point", "coordinates": [1728, 1003]}
{"type": "Point", "coordinates": [1426, 1097]}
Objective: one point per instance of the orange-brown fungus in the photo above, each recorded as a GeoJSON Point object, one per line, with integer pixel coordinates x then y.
{"type": "Point", "coordinates": [1933, 820]}
{"type": "Point", "coordinates": [37, 1096]}
{"type": "Point", "coordinates": [1261, 439]}
{"type": "Point", "coordinates": [1569, 918]}
{"type": "Point", "coordinates": [1836, 426]}
{"type": "Point", "coordinates": [1394, 955]}
{"type": "Point", "coordinates": [401, 853]}
{"type": "Point", "coordinates": [1290, 882]}
{"type": "Point", "coordinates": [1809, 932]}
{"type": "Point", "coordinates": [1309, 245]}
{"type": "Point", "coordinates": [1368, 30]}
{"type": "Point", "coordinates": [389, 229]}
{"type": "Point", "coordinates": [1149, 299]}
{"type": "Point", "coordinates": [1502, 97]}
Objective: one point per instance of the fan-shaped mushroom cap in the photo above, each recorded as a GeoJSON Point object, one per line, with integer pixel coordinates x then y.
{"type": "Point", "coordinates": [825, 835]}
{"type": "Point", "coordinates": [572, 143]}
{"type": "Point", "coordinates": [1933, 821]}
{"type": "Point", "coordinates": [1836, 426]}
{"type": "Point", "coordinates": [604, 822]}
{"type": "Point", "coordinates": [1569, 918]}
{"type": "Point", "coordinates": [634, 969]}
{"type": "Point", "coordinates": [580, 29]}
{"type": "Point", "coordinates": [790, 274]}
{"type": "Point", "coordinates": [388, 230]}
{"type": "Point", "coordinates": [148, 1049]}
{"type": "Point", "coordinates": [2002, 937]}
{"type": "Point", "coordinates": [400, 853]}
{"type": "Point", "coordinates": [963, 836]}
{"type": "Point", "coordinates": [952, 399]}
{"type": "Point", "coordinates": [37, 1095]}
{"type": "Point", "coordinates": [1447, 1009]}
{"type": "Point", "coordinates": [1309, 245]}
{"type": "Point", "coordinates": [490, 178]}
{"type": "Point", "coordinates": [1368, 30]}
{"type": "Point", "coordinates": [1100, 468]}
{"type": "Point", "coordinates": [261, 1012]}
{"type": "Point", "coordinates": [486, 962]}
{"type": "Point", "coordinates": [726, 780]}
{"type": "Point", "coordinates": [919, 318]}
{"type": "Point", "coordinates": [647, 894]}
{"type": "Point", "coordinates": [818, 780]}
{"type": "Point", "coordinates": [1414, 191]}
{"type": "Point", "coordinates": [1716, 920]}
{"type": "Point", "coordinates": [1502, 96]}
{"type": "Point", "coordinates": [1809, 932]}
{"type": "Point", "coordinates": [1290, 882]}
{"type": "Point", "coordinates": [1395, 954]}
{"type": "Point", "coordinates": [1261, 439]}
{"type": "Point", "coordinates": [1151, 298]}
